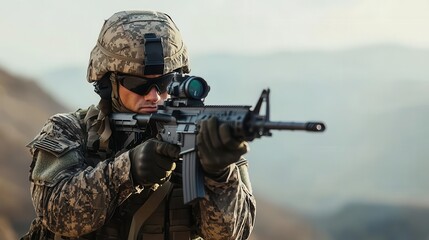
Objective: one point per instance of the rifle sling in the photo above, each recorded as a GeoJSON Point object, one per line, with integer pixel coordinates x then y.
{"type": "Point", "coordinates": [147, 209]}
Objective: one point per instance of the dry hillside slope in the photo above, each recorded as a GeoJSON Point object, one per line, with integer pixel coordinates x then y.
{"type": "Point", "coordinates": [24, 107]}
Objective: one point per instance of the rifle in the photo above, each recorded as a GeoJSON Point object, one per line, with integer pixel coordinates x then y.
{"type": "Point", "coordinates": [177, 122]}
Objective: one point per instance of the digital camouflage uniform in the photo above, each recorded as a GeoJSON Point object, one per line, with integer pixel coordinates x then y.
{"type": "Point", "coordinates": [82, 191]}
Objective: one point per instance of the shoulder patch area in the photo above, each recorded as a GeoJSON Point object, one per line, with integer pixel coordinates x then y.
{"type": "Point", "coordinates": [57, 147]}
{"type": "Point", "coordinates": [60, 134]}
{"type": "Point", "coordinates": [48, 168]}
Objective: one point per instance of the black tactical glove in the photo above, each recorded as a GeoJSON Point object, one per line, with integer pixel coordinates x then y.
{"type": "Point", "coordinates": [217, 147]}
{"type": "Point", "coordinates": [152, 162]}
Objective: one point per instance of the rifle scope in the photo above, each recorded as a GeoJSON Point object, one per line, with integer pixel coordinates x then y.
{"type": "Point", "coordinates": [185, 86]}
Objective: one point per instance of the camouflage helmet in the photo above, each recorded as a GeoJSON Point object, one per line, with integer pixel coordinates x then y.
{"type": "Point", "coordinates": [122, 45]}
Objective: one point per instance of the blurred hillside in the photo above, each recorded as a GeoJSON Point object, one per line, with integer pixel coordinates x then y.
{"type": "Point", "coordinates": [24, 107]}
{"type": "Point", "coordinates": [359, 221]}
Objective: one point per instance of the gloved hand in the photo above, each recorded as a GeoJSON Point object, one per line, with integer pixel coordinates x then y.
{"type": "Point", "coordinates": [152, 162]}
{"type": "Point", "coordinates": [217, 147]}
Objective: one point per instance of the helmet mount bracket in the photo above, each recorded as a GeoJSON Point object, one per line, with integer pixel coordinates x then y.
{"type": "Point", "coordinates": [154, 55]}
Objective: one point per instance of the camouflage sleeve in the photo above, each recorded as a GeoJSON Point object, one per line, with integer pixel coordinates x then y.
{"type": "Point", "coordinates": [228, 209]}
{"type": "Point", "coordinates": [70, 197]}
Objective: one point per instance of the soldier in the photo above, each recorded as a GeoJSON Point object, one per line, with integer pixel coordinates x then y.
{"type": "Point", "coordinates": [84, 187]}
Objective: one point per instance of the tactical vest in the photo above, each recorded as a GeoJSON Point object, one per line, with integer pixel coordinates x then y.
{"type": "Point", "coordinates": [172, 220]}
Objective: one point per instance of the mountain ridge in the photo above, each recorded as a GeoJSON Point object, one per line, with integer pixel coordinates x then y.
{"type": "Point", "coordinates": [374, 148]}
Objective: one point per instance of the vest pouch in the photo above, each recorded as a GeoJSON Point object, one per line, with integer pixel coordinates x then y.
{"type": "Point", "coordinates": [149, 236]}
{"type": "Point", "coordinates": [180, 216]}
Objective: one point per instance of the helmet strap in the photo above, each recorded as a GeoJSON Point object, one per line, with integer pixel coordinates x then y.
{"type": "Point", "coordinates": [117, 105]}
{"type": "Point", "coordinates": [103, 87]}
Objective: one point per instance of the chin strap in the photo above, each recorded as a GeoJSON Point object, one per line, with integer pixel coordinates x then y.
{"type": "Point", "coordinates": [117, 105]}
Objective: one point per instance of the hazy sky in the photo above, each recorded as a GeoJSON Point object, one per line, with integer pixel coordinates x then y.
{"type": "Point", "coordinates": [38, 36]}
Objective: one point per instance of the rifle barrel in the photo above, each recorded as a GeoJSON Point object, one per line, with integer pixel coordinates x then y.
{"type": "Point", "coordinates": [305, 126]}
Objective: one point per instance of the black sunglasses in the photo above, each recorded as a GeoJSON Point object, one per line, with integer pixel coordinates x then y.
{"type": "Point", "coordinates": [142, 85]}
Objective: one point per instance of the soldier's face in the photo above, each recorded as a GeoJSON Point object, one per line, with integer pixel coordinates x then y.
{"type": "Point", "coordinates": [142, 103]}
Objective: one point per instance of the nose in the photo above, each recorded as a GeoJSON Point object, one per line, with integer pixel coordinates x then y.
{"type": "Point", "coordinates": [152, 95]}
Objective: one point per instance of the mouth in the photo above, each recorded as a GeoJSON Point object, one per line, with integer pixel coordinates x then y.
{"type": "Point", "coordinates": [148, 109]}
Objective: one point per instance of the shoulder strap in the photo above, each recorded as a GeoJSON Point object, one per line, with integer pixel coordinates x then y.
{"type": "Point", "coordinates": [147, 209]}
{"type": "Point", "coordinates": [87, 119]}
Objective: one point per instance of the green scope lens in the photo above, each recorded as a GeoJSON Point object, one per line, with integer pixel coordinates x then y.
{"type": "Point", "coordinates": [192, 87]}
{"type": "Point", "coordinates": [195, 88]}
